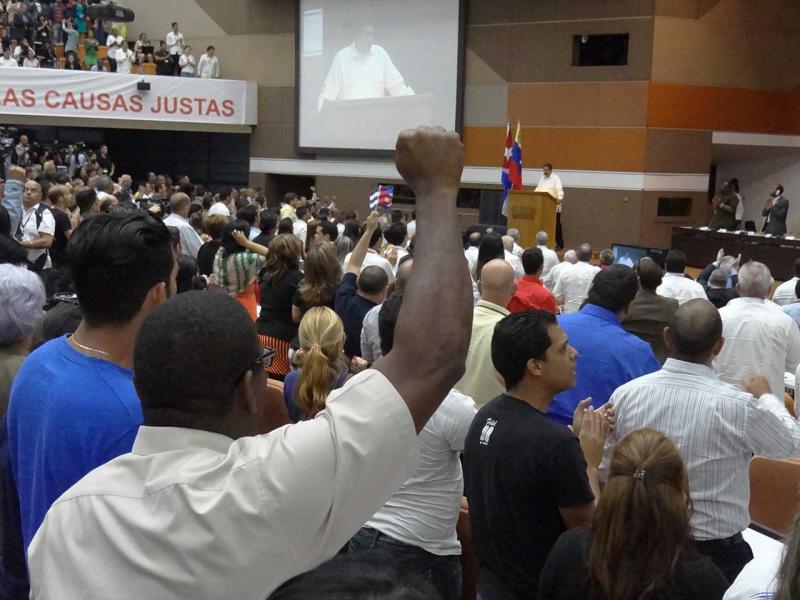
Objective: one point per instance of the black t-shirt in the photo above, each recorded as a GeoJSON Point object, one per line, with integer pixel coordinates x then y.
{"type": "Point", "coordinates": [105, 162]}
{"type": "Point", "coordinates": [519, 468]}
{"type": "Point", "coordinates": [352, 309]}
{"type": "Point", "coordinates": [275, 319]}
{"type": "Point", "coordinates": [565, 575]}
{"type": "Point", "coordinates": [205, 257]}
{"type": "Point", "coordinates": [264, 239]}
{"type": "Point", "coordinates": [58, 251]}
{"type": "Point", "coordinates": [164, 67]}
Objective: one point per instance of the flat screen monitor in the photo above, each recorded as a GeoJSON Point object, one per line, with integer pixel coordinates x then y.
{"type": "Point", "coordinates": [629, 255]}
{"type": "Point", "coordinates": [367, 69]}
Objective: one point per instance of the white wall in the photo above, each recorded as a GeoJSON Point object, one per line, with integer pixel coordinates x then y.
{"type": "Point", "coordinates": [759, 176]}
{"type": "Point", "coordinates": [155, 16]}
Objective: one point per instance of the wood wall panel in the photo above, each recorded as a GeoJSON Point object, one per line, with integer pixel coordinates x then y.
{"type": "Point", "coordinates": [610, 104]}
{"type": "Point", "coordinates": [594, 149]}
{"type": "Point", "coordinates": [727, 109]}
{"type": "Point", "coordinates": [536, 52]}
{"type": "Point", "coordinates": [601, 217]}
{"type": "Point", "coordinates": [678, 151]}
{"type": "Point", "coordinates": [509, 11]}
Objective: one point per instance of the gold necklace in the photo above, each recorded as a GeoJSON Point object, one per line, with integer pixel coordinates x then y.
{"type": "Point", "coordinates": [95, 350]}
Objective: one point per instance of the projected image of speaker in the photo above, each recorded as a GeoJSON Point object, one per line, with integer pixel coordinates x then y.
{"type": "Point", "coordinates": [369, 69]}
{"type": "Point", "coordinates": [108, 11]}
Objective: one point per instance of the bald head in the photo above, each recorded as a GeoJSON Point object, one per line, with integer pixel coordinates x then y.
{"type": "Point", "coordinates": [508, 243]}
{"type": "Point", "coordinates": [403, 274]}
{"type": "Point", "coordinates": [496, 283]}
{"type": "Point", "coordinates": [571, 256]}
{"type": "Point", "coordinates": [695, 332]}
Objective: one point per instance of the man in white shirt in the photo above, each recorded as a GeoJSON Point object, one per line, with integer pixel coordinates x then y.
{"type": "Point", "coordinates": [550, 257]}
{"type": "Point", "coordinates": [201, 484]}
{"type": "Point", "coordinates": [758, 338]}
{"type": "Point", "coordinates": [481, 381]}
{"type": "Point", "coordinates": [7, 60]}
{"type": "Point", "coordinates": [370, 334]}
{"type": "Point", "coordinates": [174, 41]}
{"type": "Point", "coordinates": [411, 228]}
{"type": "Point", "coordinates": [570, 258]}
{"type": "Point", "coordinates": [125, 59]}
{"type": "Point", "coordinates": [675, 284]}
{"type": "Point", "coordinates": [113, 44]}
{"type": "Point", "coordinates": [717, 428]}
{"type": "Point", "coordinates": [511, 258]}
{"type": "Point", "coordinates": [784, 293]}
{"type": "Point", "coordinates": [362, 70]}
{"type": "Point", "coordinates": [38, 226]}
{"type": "Point", "coordinates": [417, 525]}
{"type": "Point", "coordinates": [551, 183]}
{"type": "Point", "coordinates": [573, 284]}
{"type": "Point", "coordinates": [373, 258]}
{"type": "Point", "coordinates": [517, 250]}
{"type": "Point", "coordinates": [471, 252]}
{"type": "Point", "coordinates": [208, 66]}
{"type": "Point", "coordinates": [190, 240]}
{"type": "Point", "coordinates": [300, 226]}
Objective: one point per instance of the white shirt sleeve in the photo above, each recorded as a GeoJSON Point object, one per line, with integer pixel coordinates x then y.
{"type": "Point", "coordinates": [337, 469]}
{"type": "Point", "coordinates": [793, 349]}
{"type": "Point", "coordinates": [48, 223]}
{"type": "Point", "coordinates": [461, 411]}
{"type": "Point", "coordinates": [559, 188]}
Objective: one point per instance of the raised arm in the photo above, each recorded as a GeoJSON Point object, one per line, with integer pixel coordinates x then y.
{"type": "Point", "coordinates": [438, 299]}
{"type": "Point", "coordinates": [242, 240]}
{"type": "Point", "coordinates": [360, 251]}
{"type": "Point", "coordinates": [12, 198]}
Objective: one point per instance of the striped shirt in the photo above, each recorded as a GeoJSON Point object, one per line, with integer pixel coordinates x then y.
{"type": "Point", "coordinates": [716, 427]}
{"type": "Point", "coordinates": [237, 272]}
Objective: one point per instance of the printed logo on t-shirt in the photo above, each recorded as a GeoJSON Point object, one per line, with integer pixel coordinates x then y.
{"type": "Point", "coordinates": [487, 431]}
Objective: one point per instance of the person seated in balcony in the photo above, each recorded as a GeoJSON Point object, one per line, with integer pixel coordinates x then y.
{"type": "Point", "coordinates": [72, 62]}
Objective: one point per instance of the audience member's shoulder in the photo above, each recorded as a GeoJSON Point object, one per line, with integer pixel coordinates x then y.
{"type": "Point", "coordinates": [458, 401]}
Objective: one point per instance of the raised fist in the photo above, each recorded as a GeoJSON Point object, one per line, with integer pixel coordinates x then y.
{"type": "Point", "coordinates": [430, 159]}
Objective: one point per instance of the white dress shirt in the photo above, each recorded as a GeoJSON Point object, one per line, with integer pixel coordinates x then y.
{"type": "Point", "coordinates": [550, 260]}
{"type": "Point", "coordinates": [190, 239]}
{"type": "Point", "coordinates": [516, 264]}
{"type": "Point", "coordinates": [471, 254]}
{"type": "Point", "coordinates": [553, 186]}
{"type": "Point", "coordinates": [208, 67]}
{"type": "Point", "coordinates": [573, 284]}
{"type": "Point", "coordinates": [758, 340]}
{"type": "Point", "coordinates": [680, 287]}
{"type": "Point", "coordinates": [300, 229]}
{"type": "Point", "coordinates": [716, 427]}
{"type": "Point", "coordinates": [124, 60]}
{"type": "Point", "coordinates": [784, 293]}
{"type": "Point", "coordinates": [517, 250]}
{"type": "Point", "coordinates": [555, 272]}
{"type": "Point", "coordinates": [354, 75]}
{"type": "Point", "coordinates": [411, 229]}
{"type": "Point", "coordinates": [424, 511]}
{"type": "Point", "coordinates": [8, 62]}
{"type": "Point", "coordinates": [401, 253]}
{"type": "Point", "coordinates": [113, 43]}
{"type": "Point", "coordinates": [31, 232]}
{"type": "Point", "coordinates": [187, 63]}
{"type": "Point", "coordinates": [370, 336]}
{"type": "Point", "coordinates": [174, 42]}
{"type": "Point", "coordinates": [194, 514]}
{"type": "Point", "coordinates": [373, 259]}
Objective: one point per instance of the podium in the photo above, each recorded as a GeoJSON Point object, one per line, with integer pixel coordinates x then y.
{"type": "Point", "coordinates": [365, 121]}
{"type": "Point", "coordinates": [531, 212]}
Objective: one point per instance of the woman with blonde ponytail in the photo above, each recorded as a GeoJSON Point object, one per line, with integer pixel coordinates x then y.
{"type": "Point", "coordinates": [323, 365]}
{"type": "Point", "coordinates": [640, 545]}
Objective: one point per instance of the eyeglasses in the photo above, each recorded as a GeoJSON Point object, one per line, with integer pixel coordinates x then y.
{"type": "Point", "coordinates": [262, 361]}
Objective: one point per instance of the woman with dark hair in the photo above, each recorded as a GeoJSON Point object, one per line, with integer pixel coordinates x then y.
{"type": "Point", "coordinates": [238, 263]}
{"type": "Point", "coordinates": [640, 545]}
{"type": "Point", "coordinates": [279, 282]}
{"type": "Point", "coordinates": [352, 230]}
{"type": "Point", "coordinates": [321, 277]}
{"type": "Point", "coordinates": [187, 279]}
{"type": "Point", "coordinates": [311, 229]}
{"type": "Point", "coordinates": [491, 248]}
{"type": "Point", "coordinates": [205, 256]}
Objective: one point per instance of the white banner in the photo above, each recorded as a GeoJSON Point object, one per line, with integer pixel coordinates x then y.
{"type": "Point", "coordinates": [58, 92]}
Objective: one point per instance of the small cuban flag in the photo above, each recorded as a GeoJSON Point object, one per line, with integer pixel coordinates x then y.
{"type": "Point", "coordinates": [381, 196]}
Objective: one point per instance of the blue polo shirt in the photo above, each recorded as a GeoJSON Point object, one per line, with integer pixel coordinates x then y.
{"type": "Point", "coordinates": [608, 356]}
{"type": "Point", "coordinates": [68, 413]}
{"type": "Point", "coordinates": [352, 309]}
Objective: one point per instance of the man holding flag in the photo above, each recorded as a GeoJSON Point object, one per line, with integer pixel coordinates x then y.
{"type": "Point", "coordinates": [512, 164]}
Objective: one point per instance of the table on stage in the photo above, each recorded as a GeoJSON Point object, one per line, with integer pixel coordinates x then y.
{"type": "Point", "coordinates": [701, 247]}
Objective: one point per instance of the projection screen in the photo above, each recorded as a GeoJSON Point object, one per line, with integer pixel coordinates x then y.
{"type": "Point", "coordinates": [366, 70]}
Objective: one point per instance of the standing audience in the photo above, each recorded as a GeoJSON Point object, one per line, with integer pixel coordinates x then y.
{"type": "Point", "coordinates": [237, 265]}
{"type": "Point", "coordinates": [574, 282]}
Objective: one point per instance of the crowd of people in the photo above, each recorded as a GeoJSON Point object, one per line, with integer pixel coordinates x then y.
{"type": "Point", "coordinates": [597, 422]}
{"type": "Point", "coordinates": [34, 32]}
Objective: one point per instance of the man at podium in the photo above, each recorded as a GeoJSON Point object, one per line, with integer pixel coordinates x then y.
{"type": "Point", "coordinates": [362, 70]}
{"type": "Point", "coordinates": [551, 183]}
